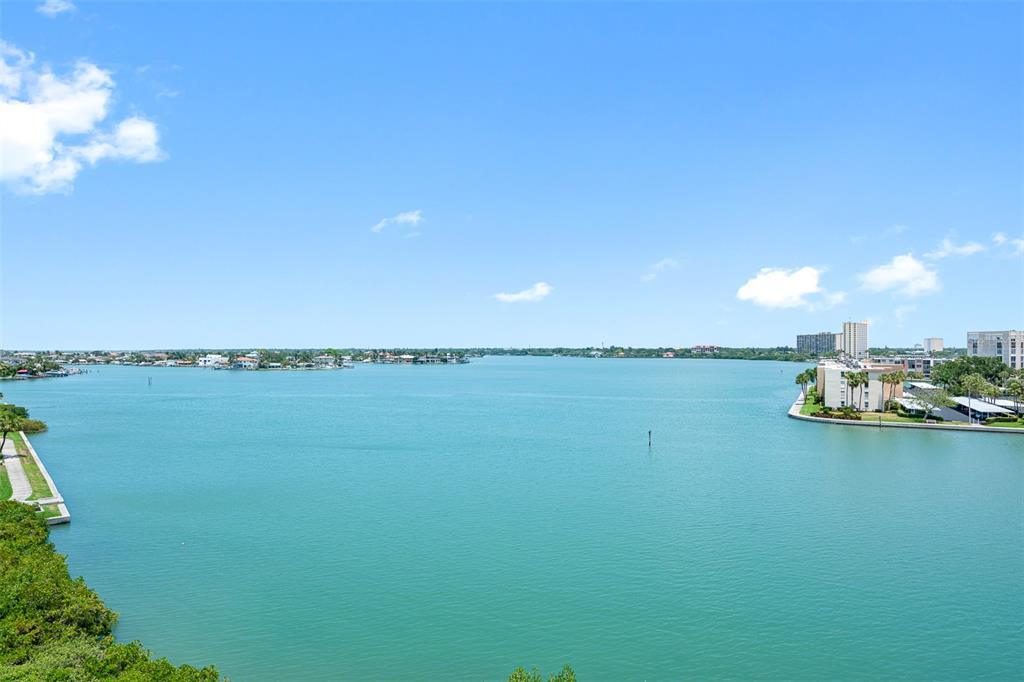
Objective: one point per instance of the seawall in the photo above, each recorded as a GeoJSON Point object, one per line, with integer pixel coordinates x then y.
{"type": "Point", "coordinates": [64, 516]}
{"type": "Point", "coordinates": [794, 412]}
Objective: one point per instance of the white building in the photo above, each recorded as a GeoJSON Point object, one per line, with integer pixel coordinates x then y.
{"type": "Point", "coordinates": [212, 360]}
{"type": "Point", "coordinates": [835, 390]}
{"type": "Point", "coordinates": [1008, 346]}
{"type": "Point", "coordinates": [854, 339]}
{"type": "Point", "coordinates": [910, 363]}
{"type": "Point", "coordinates": [933, 344]}
{"type": "Point", "coordinates": [245, 362]}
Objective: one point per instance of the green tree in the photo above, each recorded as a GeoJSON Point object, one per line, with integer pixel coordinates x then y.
{"type": "Point", "coordinates": [861, 383]}
{"type": "Point", "coordinates": [990, 392]}
{"type": "Point", "coordinates": [893, 379]}
{"type": "Point", "coordinates": [933, 400]}
{"type": "Point", "coordinates": [9, 422]}
{"type": "Point", "coordinates": [856, 380]}
{"type": "Point", "coordinates": [566, 674]}
{"type": "Point", "coordinates": [951, 374]}
{"type": "Point", "coordinates": [805, 377]}
{"type": "Point", "coordinates": [1015, 389]}
{"type": "Point", "coordinates": [972, 384]}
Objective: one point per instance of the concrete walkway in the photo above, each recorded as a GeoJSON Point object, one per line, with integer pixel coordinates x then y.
{"type": "Point", "coordinates": [16, 472]}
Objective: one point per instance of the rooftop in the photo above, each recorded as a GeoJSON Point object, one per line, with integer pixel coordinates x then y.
{"type": "Point", "coordinates": [979, 405]}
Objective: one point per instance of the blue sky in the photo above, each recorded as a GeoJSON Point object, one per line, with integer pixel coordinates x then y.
{"type": "Point", "coordinates": [270, 174]}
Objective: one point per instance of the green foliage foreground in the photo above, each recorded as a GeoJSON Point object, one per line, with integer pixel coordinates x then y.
{"type": "Point", "coordinates": [53, 628]}
{"type": "Point", "coordinates": [521, 675]}
{"type": "Point", "coordinates": [16, 413]}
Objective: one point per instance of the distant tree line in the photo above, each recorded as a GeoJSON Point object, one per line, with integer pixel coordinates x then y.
{"type": "Point", "coordinates": [34, 366]}
{"type": "Point", "coordinates": [785, 353]}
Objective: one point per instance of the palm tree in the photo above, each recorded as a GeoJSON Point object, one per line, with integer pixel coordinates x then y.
{"type": "Point", "coordinates": [892, 378]}
{"type": "Point", "coordinates": [990, 392]}
{"type": "Point", "coordinates": [808, 376]}
{"type": "Point", "coordinates": [801, 379]}
{"type": "Point", "coordinates": [855, 380]}
{"type": "Point", "coordinates": [861, 383]}
{"type": "Point", "coordinates": [1015, 388]}
{"type": "Point", "coordinates": [972, 384]}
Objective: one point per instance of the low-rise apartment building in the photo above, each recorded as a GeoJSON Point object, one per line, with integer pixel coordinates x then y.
{"type": "Point", "coordinates": [1008, 346]}
{"type": "Point", "coordinates": [833, 387]}
{"type": "Point", "coordinates": [911, 363]}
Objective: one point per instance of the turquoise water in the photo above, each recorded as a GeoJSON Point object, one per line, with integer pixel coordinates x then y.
{"type": "Point", "coordinates": [455, 522]}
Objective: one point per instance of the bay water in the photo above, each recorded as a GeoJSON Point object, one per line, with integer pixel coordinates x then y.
{"type": "Point", "coordinates": [454, 522]}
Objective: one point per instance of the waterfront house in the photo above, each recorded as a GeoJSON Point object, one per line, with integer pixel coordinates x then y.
{"type": "Point", "coordinates": [212, 360]}
{"type": "Point", "coordinates": [245, 362]}
{"type": "Point", "coordinates": [430, 359]}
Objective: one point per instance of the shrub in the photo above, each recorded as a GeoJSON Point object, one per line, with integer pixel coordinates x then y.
{"type": "Point", "coordinates": [566, 674]}
{"type": "Point", "coordinates": [28, 425]}
{"type": "Point", "coordinates": [33, 425]}
{"type": "Point", "coordinates": [17, 410]}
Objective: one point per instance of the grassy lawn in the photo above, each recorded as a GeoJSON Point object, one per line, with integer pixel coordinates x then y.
{"type": "Point", "coordinates": [810, 409]}
{"type": "Point", "coordinates": [32, 472]}
{"type": "Point", "coordinates": [5, 484]}
{"type": "Point", "coordinates": [890, 417]}
{"type": "Point", "coordinates": [50, 511]}
{"type": "Point", "coordinates": [1019, 424]}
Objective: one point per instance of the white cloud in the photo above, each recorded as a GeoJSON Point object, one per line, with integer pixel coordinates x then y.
{"type": "Point", "coordinates": [52, 8]}
{"type": "Point", "coordinates": [1014, 245]}
{"type": "Point", "coordinates": [782, 288]}
{"type": "Point", "coordinates": [830, 300]}
{"type": "Point", "coordinates": [41, 110]}
{"type": "Point", "coordinates": [537, 292]}
{"type": "Point", "coordinates": [903, 274]}
{"type": "Point", "coordinates": [901, 312]}
{"type": "Point", "coordinates": [413, 218]}
{"type": "Point", "coordinates": [948, 248]}
{"type": "Point", "coordinates": [660, 267]}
